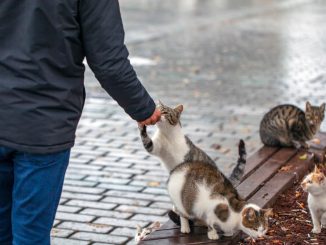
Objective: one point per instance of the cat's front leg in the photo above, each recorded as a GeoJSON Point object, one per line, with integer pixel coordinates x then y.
{"type": "Point", "coordinates": [315, 221]}
{"type": "Point", "coordinates": [300, 145]}
{"type": "Point", "coordinates": [147, 141]}
{"type": "Point", "coordinates": [304, 145]}
{"type": "Point", "coordinates": [212, 234]}
{"type": "Point", "coordinates": [185, 228]}
{"type": "Point", "coordinates": [323, 220]}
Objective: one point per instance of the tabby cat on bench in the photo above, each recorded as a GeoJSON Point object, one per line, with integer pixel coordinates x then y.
{"type": "Point", "coordinates": [288, 125]}
{"type": "Point", "coordinates": [198, 190]}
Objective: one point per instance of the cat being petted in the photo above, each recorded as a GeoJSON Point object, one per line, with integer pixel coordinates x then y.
{"type": "Point", "coordinates": [315, 185]}
{"type": "Point", "coordinates": [172, 147]}
{"type": "Point", "coordinates": [288, 125]}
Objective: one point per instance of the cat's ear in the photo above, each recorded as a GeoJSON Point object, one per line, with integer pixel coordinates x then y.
{"type": "Point", "coordinates": [308, 106]}
{"type": "Point", "coordinates": [321, 178]}
{"type": "Point", "coordinates": [139, 229]}
{"type": "Point", "coordinates": [160, 103]}
{"type": "Point", "coordinates": [250, 214]}
{"type": "Point", "coordinates": [322, 108]}
{"type": "Point", "coordinates": [179, 108]}
{"type": "Point", "coordinates": [156, 225]}
{"type": "Point", "coordinates": [316, 170]}
{"type": "Point", "coordinates": [267, 212]}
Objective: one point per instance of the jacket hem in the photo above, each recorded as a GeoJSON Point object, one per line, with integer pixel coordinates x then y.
{"type": "Point", "coordinates": [37, 149]}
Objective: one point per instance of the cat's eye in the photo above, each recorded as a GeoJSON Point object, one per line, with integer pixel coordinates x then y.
{"type": "Point", "coordinates": [309, 182]}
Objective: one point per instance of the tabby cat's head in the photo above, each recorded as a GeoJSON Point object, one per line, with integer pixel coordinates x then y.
{"type": "Point", "coordinates": [315, 182]}
{"type": "Point", "coordinates": [254, 220]}
{"type": "Point", "coordinates": [315, 114]}
{"type": "Point", "coordinates": [170, 117]}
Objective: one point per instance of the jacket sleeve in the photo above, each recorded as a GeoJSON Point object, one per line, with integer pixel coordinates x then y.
{"type": "Point", "coordinates": [103, 40]}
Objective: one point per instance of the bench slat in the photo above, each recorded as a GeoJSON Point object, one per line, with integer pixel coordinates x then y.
{"type": "Point", "coordinates": [257, 159]}
{"type": "Point", "coordinates": [250, 185]}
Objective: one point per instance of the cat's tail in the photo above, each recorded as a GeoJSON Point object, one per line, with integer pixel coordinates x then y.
{"type": "Point", "coordinates": [238, 171]}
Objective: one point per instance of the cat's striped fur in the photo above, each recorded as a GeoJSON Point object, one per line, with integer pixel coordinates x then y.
{"type": "Point", "coordinates": [287, 125]}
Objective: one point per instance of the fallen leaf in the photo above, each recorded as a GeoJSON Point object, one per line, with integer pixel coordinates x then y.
{"type": "Point", "coordinates": [297, 194]}
{"type": "Point", "coordinates": [285, 168]}
{"type": "Point", "coordinates": [303, 157]}
{"type": "Point", "coordinates": [153, 184]}
{"type": "Point", "coordinates": [316, 141]}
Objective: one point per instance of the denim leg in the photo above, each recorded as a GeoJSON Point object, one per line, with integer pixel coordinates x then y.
{"type": "Point", "coordinates": [6, 185]}
{"type": "Point", "coordinates": [36, 193]}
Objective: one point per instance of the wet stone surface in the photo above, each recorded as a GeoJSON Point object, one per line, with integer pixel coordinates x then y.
{"type": "Point", "coordinates": [227, 63]}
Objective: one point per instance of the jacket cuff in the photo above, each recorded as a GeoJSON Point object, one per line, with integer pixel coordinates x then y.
{"type": "Point", "coordinates": [143, 114]}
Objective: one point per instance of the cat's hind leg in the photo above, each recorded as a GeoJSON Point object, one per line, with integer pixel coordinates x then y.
{"type": "Point", "coordinates": [185, 228]}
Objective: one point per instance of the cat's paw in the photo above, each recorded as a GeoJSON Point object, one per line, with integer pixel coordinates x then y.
{"type": "Point", "coordinates": [185, 229]}
{"type": "Point", "coordinates": [316, 230]}
{"type": "Point", "coordinates": [212, 235]}
{"type": "Point", "coordinates": [142, 129]}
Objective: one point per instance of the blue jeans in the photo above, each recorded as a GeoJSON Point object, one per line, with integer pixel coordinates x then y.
{"type": "Point", "coordinates": [30, 189]}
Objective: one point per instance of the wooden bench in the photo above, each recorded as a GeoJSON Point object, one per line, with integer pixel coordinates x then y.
{"type": "Point", "coordinates": [268, 173]}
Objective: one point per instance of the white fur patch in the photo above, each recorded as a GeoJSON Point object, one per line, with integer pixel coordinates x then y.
{"type": "Point", "coordinates": [172, 148]}
{"type": "Point", "coordinates": [175, 187]}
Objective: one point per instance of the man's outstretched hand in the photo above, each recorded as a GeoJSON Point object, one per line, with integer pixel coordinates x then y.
{"type": "Point", "coordinates": [153, 119]}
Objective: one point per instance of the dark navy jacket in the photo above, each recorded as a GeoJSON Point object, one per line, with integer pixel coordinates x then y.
{"type": "Point", "coordinates": [42, 47]}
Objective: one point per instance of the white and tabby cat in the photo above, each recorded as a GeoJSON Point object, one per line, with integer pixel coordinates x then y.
{"type": "Point", "coordinates": [288, 125]}
{"type": "Point", "coordinates": [196, 187]}
{"type": "Point", "coordinates": [315, 185]}
{"type": "Point", "coordinates": [201, 192]}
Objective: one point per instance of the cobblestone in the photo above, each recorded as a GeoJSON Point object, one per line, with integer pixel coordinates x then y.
{"type": "Point", "coordinates": [93, 237]}
{"type": "Point", "coordinates": [89, 227]}
{"type": "Point", "coordinates": [120, 222]}
{"type": "Point", "coordinates": [227, 62]}
{"type": "Point", "coordinates": [107, 213]}
{"type": "Point", "coordinates": [85, 204]}
{"type": "Point", "coordinates": [140, 210]}
{"type": "Point", "coordinates": [74, 217]}
{"type": "Point", "coordinates": [55, 232]}
{"type": "Point", "coordinates": [150, 218]}
{"type": "Point", "coordinates": [62, 241]}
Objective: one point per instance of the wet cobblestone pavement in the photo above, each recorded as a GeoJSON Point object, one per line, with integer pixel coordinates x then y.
{"type": "Point", "coordinates": [227, 63]}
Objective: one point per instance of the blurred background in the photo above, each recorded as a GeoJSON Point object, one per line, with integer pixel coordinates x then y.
{"type": "Point", "coordinates": [228, 62]}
